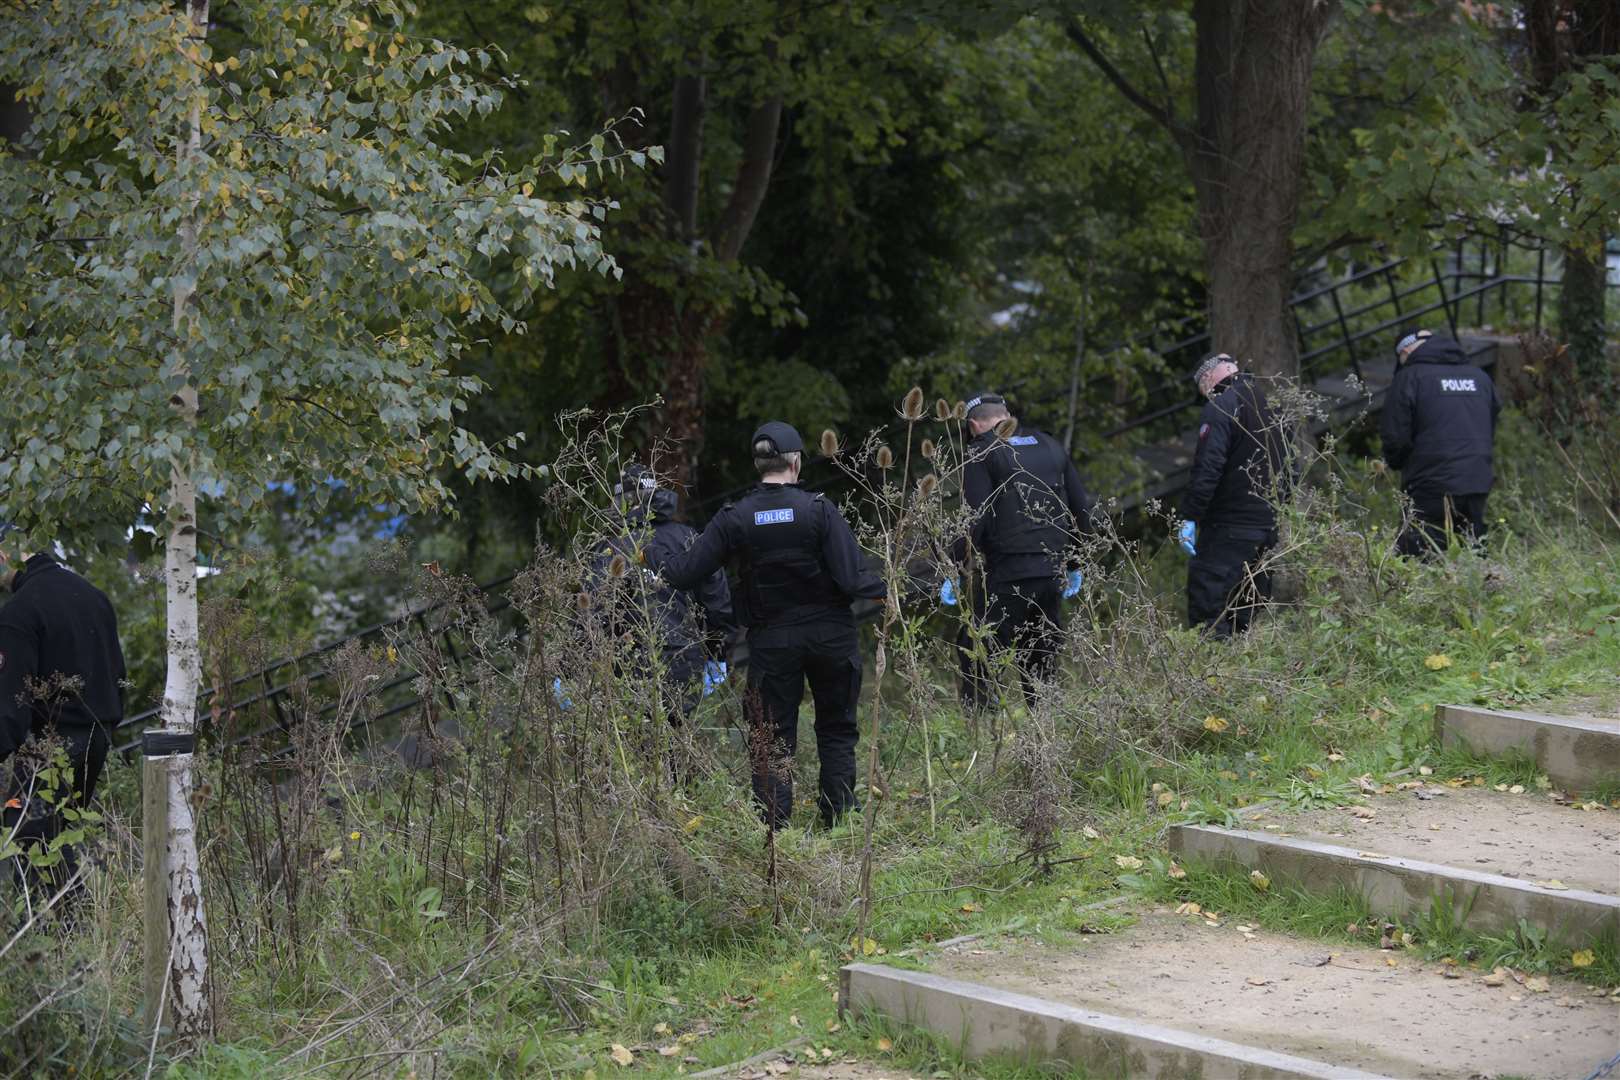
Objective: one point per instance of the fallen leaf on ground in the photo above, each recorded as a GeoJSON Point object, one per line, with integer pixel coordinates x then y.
{"type": "Point", "coordinates": [1500, 787]}
{"type": "Point", "coordinates": [971, 908]}
{"type": "Point", "coordinates": [1090, 834]}
{"type": "Point", "coordinates": [1335, 756]}
{"type": "Point", "coordinates": [1216, 724]}
{"type": "Point", "coordinates": [794, 1020]}
{"type": "Point", "coordinates": [1389, 961]}
{"type": "Point", "coordinates": [1437, 662]}
{"type": "Point", "coordinates": [1409, 785]}
{"type": "Point", "coordinates": [1227, 774]}
{"type": "Point", "coordinates": [1127, 862]}
{"type": "Point", "coordinates": [1166, 798]}
{"type": "Point", "coordinates": [1434, 827]}
{"type": "Point", "coordinates": [1363, 811]}
{"type": "Point", "coordinates": [1176, 872]}
{"type": "Point", "coordinates": [1537, 984]}
{"type": "Point", "coordinates": [1451, 973]}
{"type": "Point", "coordinates": [1188, 908]}
{"type": "Point", "coordinates": [1496, 978]}
{"type": "Point", "coordinates": [1255, 980]}
{"type": "Point", "coordinates": [1245, 928]}
{"type": "Point", "coordinates": [660, 1028]}
{"type": "Point", "coordinates": [1424, 770]}
{"type": "Point", "coordinates": [1567, 1003]}
{"type": "Point", "coordinates": [1259, 880]}
{"type": "Point", "coordinates": [885, 1045]}
{"type": "Point", "coordinates": [1516, 789]}
{"type": "Point", "coordinates": [669, 1051]}
{"type": "Point", "coordinates": [1553, 884]}
{"type": "Point", "coordinates": [833, 1026]}
{"type": "Point", "coordinates": [621, 1055]}
{"type": "Point", "coordinates": [1581, 958]}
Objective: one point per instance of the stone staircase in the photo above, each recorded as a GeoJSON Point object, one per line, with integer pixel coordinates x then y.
{"type": "Point", "coordinates": [1185, 994]}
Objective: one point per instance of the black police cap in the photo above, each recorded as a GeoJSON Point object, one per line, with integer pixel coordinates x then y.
{"type": "Point", "coordinates": [984, 397]}
{"type": "Point", "coordinates": [782, 437]}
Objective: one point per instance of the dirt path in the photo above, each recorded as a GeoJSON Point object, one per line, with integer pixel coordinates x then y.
{"type": "Point", "coordinates": [1525, 836]}
{"type": "Point", "coordinates": [1349, 1006]}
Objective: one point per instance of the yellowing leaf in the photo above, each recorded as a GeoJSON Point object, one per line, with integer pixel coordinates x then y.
{"type": "Point", "coordinates": [1255, 980]}
{"type": "Point", "coordinates": [1363, 811]}
{"type": "Point", "coordinates": [673, 1048]}
{"type": "Point", "coordinates": [660, 1028]}
{"type": "Point", "coordinates": [1516, 789]}
{"type": "Point", "coordinates": [1176, 872]}
{"type": "Point", "coordinates": [971, 908]}
{"type": "Point", "coordinates": [1188, 908]}
{"type": "Point", "coordinates": [1166, 798]}
{"type": "Point", "coordinates": [1537, 984]}
{"type": "Point", "coordinates": [1090, 834]}
{"type": "Point", "coordinates": [692, 824]}
{"type": "Point", "coordinates": [885, 1045]}
{"type": "Point", "coordinates": [868, 947]}
{"type": "Point", "coordinates": [1216, 724]}
{"type": "Point", "coordinates": [466, 302]}
{"type": "Point", "coordinates": [1259, 880]}
{"type": "Point", "coordinates": [621, 1055]}
{"type": "Point", "coordinates": [1553, 884]}
{"type": "Point", "coordinates": [833, 1027]}
{"type": "Point", "coordinates": [1127, 862]}
{"type": "Point", "coordinates": [1498, 977]}
{"type": "Point", "coordinates": [1437, 662]}
{"type": "Point", "coordinates": [1581, 958]}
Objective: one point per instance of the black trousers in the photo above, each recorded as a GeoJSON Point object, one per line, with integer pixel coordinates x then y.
{"type": "Point", "coordinates": [1026, 617]}
{"type": "Point", "coordinates": [1227, 581]}
{"type": "Point", "coordinates": [34, 822]}
{"type": "Point", "coordinates": [1433, 515]}
{"type": "Point", "coordinates": [826, 653]}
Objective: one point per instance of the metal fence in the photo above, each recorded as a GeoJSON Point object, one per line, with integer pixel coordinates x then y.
{"type": "Point", "coordinates": [1344, 327]}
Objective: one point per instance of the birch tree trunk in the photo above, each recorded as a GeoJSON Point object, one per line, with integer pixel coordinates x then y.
{"type": "Point", "coordinates": [188, 929]}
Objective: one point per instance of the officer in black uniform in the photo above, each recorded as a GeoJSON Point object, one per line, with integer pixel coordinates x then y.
{"type": "Point", "coordinates": [61, 678]}
{"type": "Point", "coordinates": [1439, 428]}
{"type": "Point", "coordinates": [1229, 520]}
{"type": "Point", "coordinates": [691, 626]}
{"type": "Point", "coordinates": [798, 571]}
{"type": "Point", "coordinates": [1030, 509]}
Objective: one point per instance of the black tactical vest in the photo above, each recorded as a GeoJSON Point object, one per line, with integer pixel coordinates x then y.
{"type": "Point", "coordinates": [1027, 516]}
{"type": "Point", "coordinates": [780, 569]}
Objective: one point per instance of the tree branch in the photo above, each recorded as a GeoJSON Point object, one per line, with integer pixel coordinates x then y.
{"type": "Point", "coordinates": [685, 153]}
{"type": "Point", "coordinates": [1077, 34]}
{"type": "Point", "coordinates": [753, 179]}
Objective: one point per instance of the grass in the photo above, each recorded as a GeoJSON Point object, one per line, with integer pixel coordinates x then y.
{"type": "Point", "coordinates": [1335, 687]}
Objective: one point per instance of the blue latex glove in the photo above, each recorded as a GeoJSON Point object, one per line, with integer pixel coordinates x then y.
{"type": "Point", "coordinates": [1188, 537]}
{"type": "Point", "coordinates": [564, 702]}
{"type": "Point", "coordinates": [714, 673]}
{"type": "Point", "coordinates": [947, 592]}
{"type": "Point", "coordinates": [1072, 583]}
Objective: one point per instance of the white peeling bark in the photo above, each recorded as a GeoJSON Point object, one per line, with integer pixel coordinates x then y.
{"type": "Point", "coordinates": [188, 928]}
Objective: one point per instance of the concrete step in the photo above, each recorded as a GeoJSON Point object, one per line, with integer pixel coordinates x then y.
{"type": "Point", "coordinates": [1501, 858]}
{"type": "Point", "coordinates": [1363, 1010]}
{"type": "Point", "coordinates": [985, 1021]}
{"type": "Point", "coordinates": [1577, 753]}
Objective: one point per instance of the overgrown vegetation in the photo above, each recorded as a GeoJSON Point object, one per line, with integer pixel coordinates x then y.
{"type": "Point", "coordinates": [559, 871]}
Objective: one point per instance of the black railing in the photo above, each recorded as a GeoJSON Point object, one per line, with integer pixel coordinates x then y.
{"type": "Point", "coordinates": [1340, 333]}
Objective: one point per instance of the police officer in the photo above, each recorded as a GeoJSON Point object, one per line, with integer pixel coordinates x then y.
{"type": "Point", "coordinates": [1439, 427]}
{"type": "Point", "coordinates": [690, 625]}
{"type": "Point", "coordinates": [798, 571]}
{"type": "Point", "coordinates": [1029, 511]}
{"type": "Point", "coordinates": [61, 681]}
{"type": "Point", "coordinates": [1229, 520]}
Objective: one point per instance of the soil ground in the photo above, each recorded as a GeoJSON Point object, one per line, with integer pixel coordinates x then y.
{"type": "Point", "coordinates": [1526, 836]}
{"type": "Point", "coordinates": [834, 1070]}
{"type": "Point", "coordinates": [1348, 1006]}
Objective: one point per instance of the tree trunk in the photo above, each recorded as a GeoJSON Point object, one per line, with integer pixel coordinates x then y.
{"type": "Point", "coordinates": [1564, 36]}
{"type": "Point", "coordinates": [1582, 315]}
{"type": "Point", "coordinates": [188, 928]}
{"type": "Point", "coordinates": [1246, 155]}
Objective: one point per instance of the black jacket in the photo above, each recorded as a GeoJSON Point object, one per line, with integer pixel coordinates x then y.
{"type": "Point", "coordinates": [57, 627]}
{"type": "Point", "coordinates": [651, 537]}
{"type": "Point", "coordinates": [1239, 460]}
{"type": "Point", "coordinates": [1029, 505]}
{"type": "Point", "coordinates": [797, 560]}
{"type": "Point", "coordinates": [1439, 422]}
